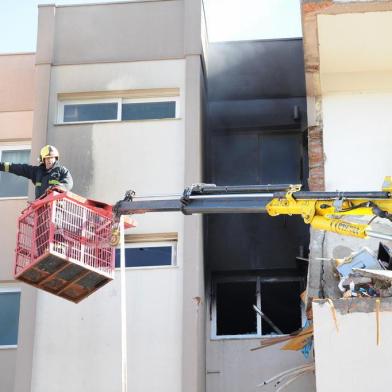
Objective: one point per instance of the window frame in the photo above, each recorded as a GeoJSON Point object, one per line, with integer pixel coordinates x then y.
{"type": "Point", "coordinates": [8, 147]}
{"type": "Point", "coordinates": [214, 317]}
{"type": "Point", "coordinates": [158, 99]}
{"type": "Point", "coordinates": [119, 101]}
{"type": "Point", "coordinates": [233, 279]}
{"type": "Point", "coordinates": [12, 290]}
{"type": "Point", "coordinates": [63, 103]}
{"type": "Point", "coordinates": [173, 244]}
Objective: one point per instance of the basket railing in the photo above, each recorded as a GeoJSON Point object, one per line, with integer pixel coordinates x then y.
{"type": "Point", "coordinates": [66, 228]}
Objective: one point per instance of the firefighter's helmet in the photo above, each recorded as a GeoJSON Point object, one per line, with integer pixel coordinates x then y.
{"type": "Point", "coordinates": [48, 151]}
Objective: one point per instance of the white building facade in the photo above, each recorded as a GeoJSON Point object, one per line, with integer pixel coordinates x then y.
{"type": "Point", "coordinates": [119, 91]}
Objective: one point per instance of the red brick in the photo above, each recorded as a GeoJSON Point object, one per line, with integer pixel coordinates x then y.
{"type": "Point", "coordinates": [316, 159]}
{"type": "Point", "coordinates": [316, 6]}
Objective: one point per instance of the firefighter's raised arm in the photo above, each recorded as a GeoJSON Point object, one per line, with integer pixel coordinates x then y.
{"type": "Point", "coordinates": [19, 169]}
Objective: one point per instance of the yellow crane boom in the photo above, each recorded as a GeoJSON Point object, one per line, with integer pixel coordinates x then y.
{"type": "Point", "coordinates": [322, 210]}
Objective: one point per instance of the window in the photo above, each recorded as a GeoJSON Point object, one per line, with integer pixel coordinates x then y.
{"type": "Point", "coordinates": [148, 254]}
{"type": "Point", "coordinates": [117, 109]}
{"type": "Point", "coordinates": [90, 112]}
{"type": "Point", "coordinates": [235, 314]}
{"type": "Point", "coordinates": [9, 316]}
{"type": "Point", "coordinates": [148, 110]}
{"type": "Point", "coordinates": [234, 301]}
{"type": "Point", "coordinates": [11, 185]}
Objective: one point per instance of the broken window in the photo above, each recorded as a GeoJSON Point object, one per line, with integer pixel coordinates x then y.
{"type": "Point", "coordinates": [235, 314]}
{"type": "Point", "coordinates": [281, 302]}
{"type": "Point", "coordinates": [255, 306]}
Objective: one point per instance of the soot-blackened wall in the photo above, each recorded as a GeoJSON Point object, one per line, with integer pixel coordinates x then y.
{"type": "Point", "coordinates": [256, 134]}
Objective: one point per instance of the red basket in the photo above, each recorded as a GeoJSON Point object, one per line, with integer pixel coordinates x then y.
{"type": "Point", "coordinates": [63, 245]}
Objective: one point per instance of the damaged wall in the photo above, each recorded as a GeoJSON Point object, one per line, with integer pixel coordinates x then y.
{"type": "Point", "coordinates": [349, 72]}
{"type": "Point", "coordinates": [348, 61]}
{"type": "Point", "coordinates": [348, 82]}
{"type": "Point", "coordinates": [325, 248]}
{"type": "Point", "coordinates": [257, 122]}
{"type": "Point", "coordinates": [256, 135]}
{"type": "Point", "coordinates": [356, 83]}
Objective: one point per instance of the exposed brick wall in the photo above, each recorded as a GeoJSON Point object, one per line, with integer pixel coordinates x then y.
{"type": "Point", "coordinates": [315, 5]}
{"type": "Point", "coordinates": [310, 10]}
{"type": "Point", "coordinates": [316, 158]}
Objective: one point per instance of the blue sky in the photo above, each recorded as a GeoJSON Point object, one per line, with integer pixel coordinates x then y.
{"type": "Point", "coordinates": [227, 20]}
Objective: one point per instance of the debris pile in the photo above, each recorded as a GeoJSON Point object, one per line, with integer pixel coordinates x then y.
{"type": "Point", "coordinates": [365, 274]}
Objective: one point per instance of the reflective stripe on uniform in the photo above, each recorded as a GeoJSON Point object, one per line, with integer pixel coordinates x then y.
{"type": "Point", "coordinates": [38, 183]}
{"type": "Point", "coordinates": [53, 182]}
{"type": "Point", "coordinates": [7, 166]}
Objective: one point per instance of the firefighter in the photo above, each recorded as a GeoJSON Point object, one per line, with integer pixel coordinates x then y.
{"type": "Point", "coordinates": [49, 173]}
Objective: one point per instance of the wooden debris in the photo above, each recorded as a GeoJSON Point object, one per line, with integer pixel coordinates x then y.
{"type": "Point", "coordinates": [294, 340]}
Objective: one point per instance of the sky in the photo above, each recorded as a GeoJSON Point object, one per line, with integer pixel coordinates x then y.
{"type": "Point", "coordinates": [227, 20]}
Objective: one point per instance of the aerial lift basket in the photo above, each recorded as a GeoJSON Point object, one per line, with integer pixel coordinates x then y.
{"type": "Point", "coordinates": [63, 245]}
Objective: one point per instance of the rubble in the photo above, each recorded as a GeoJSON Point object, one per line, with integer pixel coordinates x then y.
{"type": "Point", "coordinates": [361, 273]}
{"type": "Point", "coordinates": [365, 274]}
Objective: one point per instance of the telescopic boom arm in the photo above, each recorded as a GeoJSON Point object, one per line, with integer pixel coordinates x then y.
{"type": "Point", "coordinates": [322, 210]}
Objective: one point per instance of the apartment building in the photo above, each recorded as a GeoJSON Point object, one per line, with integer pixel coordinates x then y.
{"type": "Point", "coordinates": [126, 106]}
{"type": "Point", "coordinates": [135, 98]}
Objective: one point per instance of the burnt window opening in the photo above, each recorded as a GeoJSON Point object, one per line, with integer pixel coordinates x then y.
{"type": "Point", "coordinates": [281, 302]}
{"type": "Point", "coordinates": [234, 302]}
{"type": "Point", "coordinates": [233, 309]}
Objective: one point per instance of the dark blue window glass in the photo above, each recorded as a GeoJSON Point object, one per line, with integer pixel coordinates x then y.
{"type": "Point", "coordinates": [90, 112]}
{"type": "Point", "coordinates": [11, 185]}
{"type": "Point", "coordinates": [9, 318]}
{"type": "Point", "coordinates": [146, 257]}
{"type": "Point", "coordinates": [148, 110]}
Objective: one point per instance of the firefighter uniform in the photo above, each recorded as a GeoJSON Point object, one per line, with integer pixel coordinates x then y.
{"type": "Point", "coordinates": [41, 177]}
